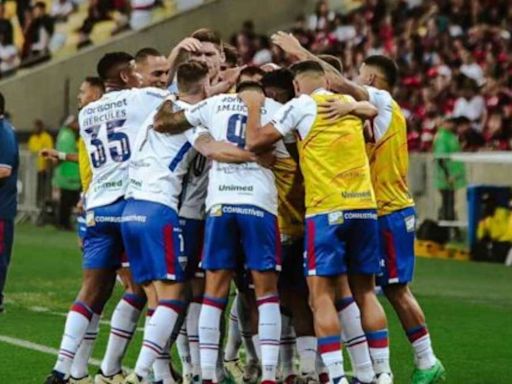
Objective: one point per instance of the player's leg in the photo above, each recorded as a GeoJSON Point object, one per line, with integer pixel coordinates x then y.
{"type": "Point", "coordinates": [397, 253]}
{"type": "Point", "coordinates": [221, 245]}
{"type": "Point", "coordinates": [101, 242]}
{"type": "Point", "coordinates": [152, 237]}
{"type": "Point", "coordinates": [122, 326]}
{"type": "Point", "coordinates": [231, 360]}
{"type": "Point", "coordinates": [362, 248]}
{"type": "Point", "coordinates": [262, 248]}
{"type": "Point", "coordinates": [324, 267]}
{"type": "Point", "coordinates": [293, 292]}
{"type": "Point", "coordinates": [194, 311]}
{"type": "Point", "coordinates": [353, 335]}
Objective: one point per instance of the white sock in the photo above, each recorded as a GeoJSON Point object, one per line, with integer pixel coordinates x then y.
{"type": "Point", "coordinates": [194, 311]}
{"type": "Point", "coordinates": [307, 351]}
{"type": "Point", "coordinates": [286, 346]}
{"type": "Point", "coordinates": [234, 340]}
{"type": "Point", "coordinates": [379, 350]}
{"type": "Point", "coordinates": [157, 333]}
{"type": "Point", "coordinates": [184, 350]}
{"type": "Point", "coordinates": [161, 367]}
{"type": "Point", "coordinates": [323, 372]}
{"type": "Point", "coordinates": [209, 336]}
{"type": "Point", "coordinates": [330, 350]}
{"type": "Point", "coordinates": [355, 340]}
{"type": "Point", "coordinates": [77, 322]}
{"type": "Point", "coordinates": [122, 326]}
{"type": "Point", "coordinates": [424, 356]}
{"type": "Point", "coordinates": [269, 331]}
{"type": "Point", "coordinates": [80, 366]}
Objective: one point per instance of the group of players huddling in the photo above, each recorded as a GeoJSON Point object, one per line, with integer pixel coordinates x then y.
{"type": "Point", "coordinates": [289, 181]}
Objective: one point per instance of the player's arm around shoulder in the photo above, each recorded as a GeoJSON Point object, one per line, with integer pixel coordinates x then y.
{"type": "Point", "coordinates": [338, 107]}
{"type": "Point", "coordinates": [220, 151]}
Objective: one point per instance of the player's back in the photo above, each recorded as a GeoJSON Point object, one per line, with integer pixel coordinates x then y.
{"type": "Point", "coordinates": [159, 164]}
{"type": "Point", "coordinates": [246, 183]}
{"type": "Point", "coordinates": [388, 154]}
{"type": "Point", "coordinates": [109, 127]}
{"type": "Point", "coordinates": [334, 163]}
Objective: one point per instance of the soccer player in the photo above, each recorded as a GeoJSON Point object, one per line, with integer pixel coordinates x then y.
{"type": "Point", "coordinates": [108, 127]}
{"type": "Point", "coordinates": [153, 67]}
{"type": "Point", "coordinates": [341, 218]}
{"type": "Point", "coordinates": [242, 206]}
{"type": "Point", "coordinates": [9, 162]}
{"type": "Point", "coordinates": [151, 231]}
{"type": "Point", "coordinates": [293, 290]}
{"type": "Point", "coordinates": [397, 220]}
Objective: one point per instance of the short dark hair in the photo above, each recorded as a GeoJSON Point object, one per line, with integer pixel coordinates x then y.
{"type": "Point", "coordinates": [306, 66]}
{"type": "Point", "coordinates": [386, 65]}
{"type": "Point", "coordinates": [281, 79]}
{"type": "Point", "coordinates": [111, 62]}
{"type": "Point", "coordinates": [2, 104]}
{"type": "Point", "coordinates": [252, 70]}
{"type": "Point", "coordinates": [144, 53]}
{"type": "Point", "coordinates": [245, 85]}
{"type": "Point", "coordinates": [40, 4]}
{"type": "Point", "coordinates": [231, 54]}
{"type": "Point", "coordinates": [96, 82]}
{"type": "Point", "coordinates": [206, 35]}
{"type": "Point", "coordinates": [189, 74]}
{"type": "Point", "coordinates": [333, 61]}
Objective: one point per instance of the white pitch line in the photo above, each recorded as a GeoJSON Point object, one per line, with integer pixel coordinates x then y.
{"type": "Point", "coordinates": [38, 347]}
{"type": "Point", "coordinates": [62, 314]}
{"type": "Point", "coordinates": [44, 349]}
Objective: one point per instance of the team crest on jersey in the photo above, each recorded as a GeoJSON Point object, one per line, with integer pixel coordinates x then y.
{"type": "Point", "coordinates": [410, 223]}
{"type": "Point", "coordinates": [216, 210]}
{"type": "Point", "coordinates": [335, 218]}
{"type": "Point", "coordinates": [89, 219]}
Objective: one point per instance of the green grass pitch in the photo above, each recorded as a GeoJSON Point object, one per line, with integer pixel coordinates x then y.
{"type": "Point", "coordinates": [468, 308]}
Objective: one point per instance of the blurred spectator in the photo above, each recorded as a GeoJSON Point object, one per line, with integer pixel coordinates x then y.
{"type": "Point", "coordinates": [470, 139]}
{"type": "Point", "coordinates": [141, 13]}
{"type": "Point", "coordinates": [66, 175]}
{"type": "Point", "coordinates": [9, 59]}
{"type": "Point", "coordinates": [450, 175]}
{"type": "Point", "coordinates": [38, 31]}
{"type": "Point", "coordinates": [37, 141]}
{"type": "Point", "coordinates": [5, 26]}
{"type": "Point", "coordinates": [470, 104]}
{"type": "Point", "coordinates": [320, 20]}
{"type": "Point", "coordinates": [263, 53]}
{"type": "Point", "coordinates": [98, 11]}
{"type": "Point", "coordinates": [497, 132]}
{"type": "Point", "coordinates": [61, 9]}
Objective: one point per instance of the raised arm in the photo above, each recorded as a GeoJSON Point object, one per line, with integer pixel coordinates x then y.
{"type": "Point", "coordinates": [337, 82]}
{"type": "Point", "coordinates": [168, 121]}
{"type": "Point", "coordinates": [188, 44]}
{"type": "Point", "coordinates": [257, 138]}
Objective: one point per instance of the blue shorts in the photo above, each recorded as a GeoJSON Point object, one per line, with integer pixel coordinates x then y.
{"type": "Point", "coordinates": [397, 259]}
{"type": "Point", "coordinates": [193, 237]}
{"type": "Point", "coordinates": [232, 228]}
{"type": "Point", "coordinates": [102, 242]}
{"type": "Point", "coordinates": [342, 242]}
{"type": "Point", "coordinates": [153, 241]}
{"type": "Point", "coordinates": [292, 271]}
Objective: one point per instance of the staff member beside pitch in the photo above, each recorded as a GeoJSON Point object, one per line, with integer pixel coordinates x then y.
{"type": "Point", "coordinates": [9, 160]}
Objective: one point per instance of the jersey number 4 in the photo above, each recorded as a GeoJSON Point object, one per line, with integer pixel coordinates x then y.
{"type": "Point", "coordinates": [118, 144]}
{"type": "Point", "coordinates": [236, 129]}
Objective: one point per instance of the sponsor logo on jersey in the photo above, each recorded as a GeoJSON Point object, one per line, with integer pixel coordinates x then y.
{"type": "Point", "coordinates": [357, 195]}
{"type": "Point", "coordinates": [335, 218]}
{"type": "Point", "coordinates": [236, 188]}
{"type": "Point", "coordinates": [109, 185]}
{"type": "Point", "coordinates": [89, 219]}
{"type": "Point", "coordinates": [216, 211]}
{"type": "Point", "coordinates": [410, 223]}
{"type": "Point", "coordinates": [360, 215]}
{"type": "Point", "coordinates": [243, 211]}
